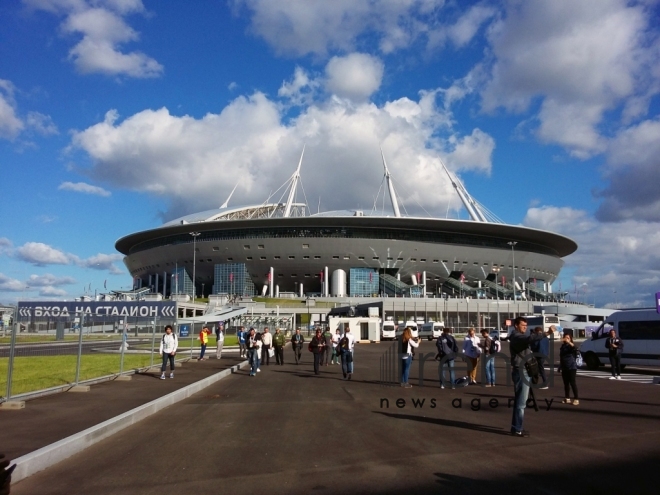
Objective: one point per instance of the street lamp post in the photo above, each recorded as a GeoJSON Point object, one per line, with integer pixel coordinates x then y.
{"type": "Point", "coordinates": [513, 267]}
{"type": "Point", "coordinates": [496, 271]}
{"type": "Point", "coordinates": [194, 236]}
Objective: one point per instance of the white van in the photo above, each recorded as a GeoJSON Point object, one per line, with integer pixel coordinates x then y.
{"type": "Point", "coordinates": [413, 327]}
{"type": "Point", "coordinates": [431, 330]}
{"type": "Point", "coordinates": [388, 331]}
{"type": "Point", "coordinates": [640, 331]}
{"type": "Point", "coordinates": [544, 321]}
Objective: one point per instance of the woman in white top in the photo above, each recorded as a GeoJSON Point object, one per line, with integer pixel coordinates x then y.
{"type": "Point", "coordinates": [407, 346]}
{"type": "Point", "coordinates": [472, 351]}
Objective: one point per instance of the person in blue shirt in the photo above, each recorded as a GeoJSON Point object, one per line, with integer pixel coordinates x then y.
{"type": "Point", "coordinates": [241, 342]}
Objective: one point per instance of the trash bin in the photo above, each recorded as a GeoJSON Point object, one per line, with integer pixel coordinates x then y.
{"type": "Point", "coordinates": [59, 330]}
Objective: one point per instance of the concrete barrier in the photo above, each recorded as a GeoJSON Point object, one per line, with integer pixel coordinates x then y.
{"type": "Point", "coordinates": [50, 455]}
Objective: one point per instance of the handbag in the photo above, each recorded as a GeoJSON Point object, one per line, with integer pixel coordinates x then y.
{"type": "Point", "coordinates": [578, 359]}
{"type": "Point", "coordinates": [532, 368]}
{"type": "Point", "coordinates": [271, 352]}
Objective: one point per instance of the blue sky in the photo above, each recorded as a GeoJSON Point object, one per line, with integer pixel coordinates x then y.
{"type": "Point", "coordinates": [117, 115]}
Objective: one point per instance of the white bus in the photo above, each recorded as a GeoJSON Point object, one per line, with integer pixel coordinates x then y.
{"type": "Point", "coordinates": [388, 331]}
{"type": "Point", "coordinates": [640, 331]}
{"type": "Point", "coordinates": [544, 321]}
{"type": "Point", "coordinates": [413, 326]}
{"type": "Point", "coordinates": [431, 330]}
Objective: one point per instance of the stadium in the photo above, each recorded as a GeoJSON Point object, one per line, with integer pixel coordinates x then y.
{"type": "Point", "coordinates": [278, 248]}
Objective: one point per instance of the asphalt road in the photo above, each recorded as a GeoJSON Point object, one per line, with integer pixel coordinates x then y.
{"type": "Point", "coordinates": [288, 431]}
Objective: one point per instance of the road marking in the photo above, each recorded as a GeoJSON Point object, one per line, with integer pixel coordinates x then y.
{"type": "Point", "coordinates": [629, 377]}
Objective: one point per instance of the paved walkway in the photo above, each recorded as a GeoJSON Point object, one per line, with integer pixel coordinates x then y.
{"type": "Point", "coordinates": [288, 431]}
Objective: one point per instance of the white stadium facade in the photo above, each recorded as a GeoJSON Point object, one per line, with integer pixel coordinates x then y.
{"type": "Point", "coordinates": [280, 249]}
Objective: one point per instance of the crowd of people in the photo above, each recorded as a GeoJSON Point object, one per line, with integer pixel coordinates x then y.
{"type": "Point", "coordinates": [326, 347]}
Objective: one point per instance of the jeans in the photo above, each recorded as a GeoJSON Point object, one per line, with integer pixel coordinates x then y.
{"type": "Point", "coordinates": [347, 362]}
{"type": "Point", "coordinates": [490, 371]}
{"type": "Point", "coordinates": [569, 380]}
{"type": "Point", "coordinates": [254, 361]}
{"type": "Point", "coordinates": [335, 356]}
{"type": "Point", "coordinates": [615, 362]}
{"type": "Point", "coordinates": [241, 350]}
{"type": "Point", "coordinates": [521, 391]}
{"type": "Point", "coordinates": [452, 376]}
{"type": "Point", "coordinates": [406, 362]}
{"type": "Point", "coordinates": [327, 353]}
{"type": "Point", "coordinates": [201, 353]}
{"type": "Point", "coordinates": [170, 358]}
{"type": "Point", "coordinates": [318, 358]}
{"type": "Point", "coordinates": [279, 354]}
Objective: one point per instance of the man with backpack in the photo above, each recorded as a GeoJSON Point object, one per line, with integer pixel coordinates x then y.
{"type": "Point", "coordinates": [447, 349]}
{"type": "Point", "coordinates": [491, 346]}
{"type": "Point", "coordinates": [168, 346]}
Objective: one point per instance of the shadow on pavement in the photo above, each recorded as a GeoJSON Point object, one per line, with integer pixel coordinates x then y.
{"type": "Point", "coordinates": [447, 422]}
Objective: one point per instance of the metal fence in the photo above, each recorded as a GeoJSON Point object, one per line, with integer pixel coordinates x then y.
{"type": "Point", "coordinates": [46, 356]}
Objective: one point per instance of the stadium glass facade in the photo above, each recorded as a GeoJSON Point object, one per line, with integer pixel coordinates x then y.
{"type": "Point", "coordinates": [232, 278]}
{"type": "Point", "coordinates": [181, 282]}
{"type": "Point", "coordinates": [363, 282]}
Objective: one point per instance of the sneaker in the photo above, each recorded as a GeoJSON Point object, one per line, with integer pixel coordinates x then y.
{"type": "Point", "coordinates": [442, 386]}
{"type": "Point", "coordinates": [566, 401]}
{"type": "Point", "coordinates": [350, 375]}
{"type": "Point", "coordinates": [492, 384]}
{"type": "Point", "coordinates": [618, 377]}
{"type": "Point", "coordinates": [576, 402]}
{"type": "Point", "coordinates": [258, 370]}
{"type": "Point", "coordinates": [162, 377]}
{"type": "Point", "coordinates": [522, 433]}
{"type": "Point", "coordinates": [407, 385]}
{"type": "Point", "coordinates": [488, 385]}
{"type": "Point", "coordinates": [544, 388]}
{"type": "Point", "coordinates": [171, 375]}
{"type": "Point", "coordinates": [613, 378]}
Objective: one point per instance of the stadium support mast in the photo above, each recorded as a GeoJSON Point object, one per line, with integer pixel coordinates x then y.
{"type": "Point", "coordinates": [390, 187]}
{"type": "Point", "coordinates": [224, 205]}
{"type": "Point", "coordinates": [470, 205]}
{"type": "Point", "coordinates": [294, 184]}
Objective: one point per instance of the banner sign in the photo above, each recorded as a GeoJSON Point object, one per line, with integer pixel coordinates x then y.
{"type": "Point", "coordinates": [184, 330]}
{"type": "Point", "coordinates": [119, 309]}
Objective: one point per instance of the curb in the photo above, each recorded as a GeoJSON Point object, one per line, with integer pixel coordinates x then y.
{"type": "Point", "coordinates": [50, 455]}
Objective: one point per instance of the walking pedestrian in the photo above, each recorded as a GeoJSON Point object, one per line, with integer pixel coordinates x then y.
{"type": "Point", "coordinates": [278, 342]}
{"type": "Point", "coordinates": [542, 347]}
{"type": "Point", "coordinates": [297, 341]}
{"type": "Point", "coordinates": [266, 343]}
{"type": "Point", "coordinates": [327, 350]}
{"type": "Point", "coordinates": [491, 346]}
{"type": "Point", "coordinates": [346, 346]}
{"type": "Point", "coordinates": [335, 342]}
{"type": "Point", "coordinates": [615, 346]}
{"type": "Point", "coordinates": [408, 344]}
{"type": "Point", "coordinates": [253, 344]}
{"type": "Point", "coordinates": [447, 349]}
{"type": "Point", "coordinates": [242, 350]}
{"type": "Point", "coordinates": [519, 342]}
{"type": "Point", "coordinates": [168, 347]}
{"type": "Point", "coordinates": [220, 341]}
{"type": "Point", "coordinates": [316, 345]}
{"type": "Point", "coordinates": [567, 354]}
{"type": "Point", "coordinates": [472, 351]}
{"type": "Point", "coordinates": [204, 339]}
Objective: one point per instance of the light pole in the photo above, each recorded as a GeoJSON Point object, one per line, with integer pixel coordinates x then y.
{"type": "Point", "coordinates": [496, 271]}
{"type": "Point", "coordinates": [194, 236]}
{"type": "Point", "coordinates": [513, 266]}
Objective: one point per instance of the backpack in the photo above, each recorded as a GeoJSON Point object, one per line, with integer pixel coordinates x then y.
{"type": "Point", "coordinates": [343, 343]}
{"type": "Point", "coordinates": [578, 359]}
{"type": "Point", "coordinates": [494, 347]}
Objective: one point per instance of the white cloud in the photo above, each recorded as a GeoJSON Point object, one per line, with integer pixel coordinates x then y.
{"type": "Point", "coordinates": [10, 125]}
{"type": "Point", "coordinates": [301, 27]}
{"type": "Point", "coordinates": [104, 32]}
{"type": "Point", "coordinates": [193, 163]}
{"type": "Point", "coordinates": [83, 187]}
{"type": "Point", "coordinates": [301, 89]}
{"type": "Point", "coordinates": [52, 292]}
{"type": "Point", "coordinates": [48, 279]}
{"type": "Point", "coordinates": [8, 284]}
{"type": "Point", "coordinates": [580, 59]}
{"type": "Point", "coordinates": [622, 257]}
{"type": "Point", "coordinates": [355, 76]}
{"type": "Point", "coordinates": [42, 124]}
{"type": "Point", "coordinates": [41, 254]}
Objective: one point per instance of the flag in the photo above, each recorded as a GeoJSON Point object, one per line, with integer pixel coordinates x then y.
{"type": "Point", "coordinates": [105, 284]}
{"type": "Point", "coordinates": [503, 280]}
{"type": "Point", "coordinates": [371, 277]}
{"type": "Point", "coordinates": [268, 276]}
{"type": "Point", "coordinates": [231, 277]}
{"type": "Point", "coordinates": [321, 273]}
{"type": "Point", "coordinates": [462, 277]}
